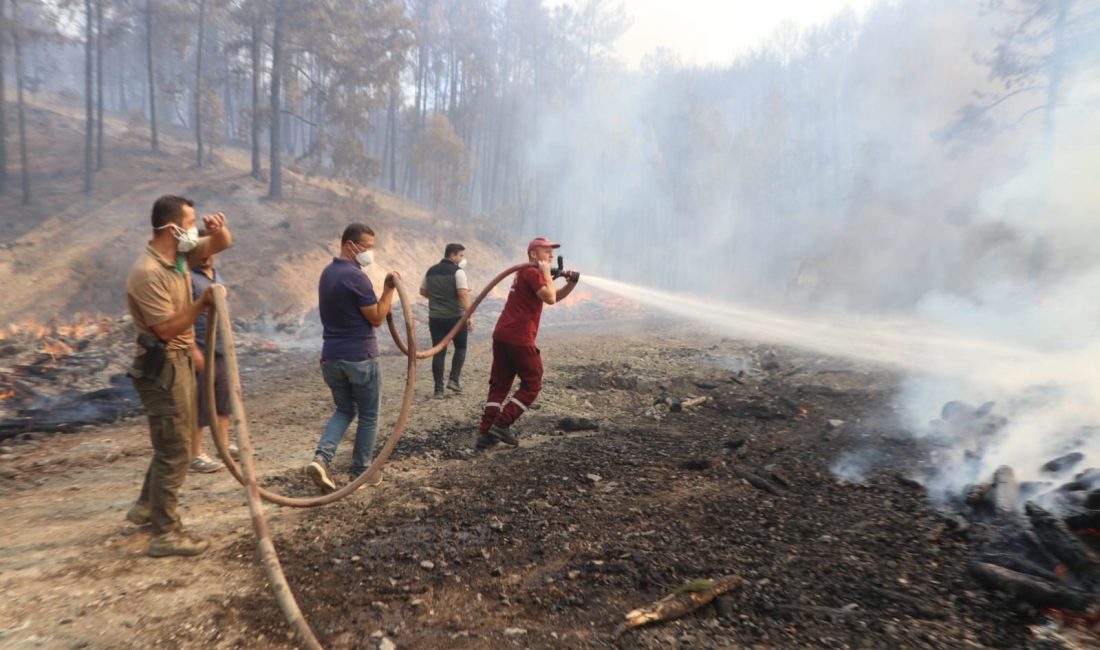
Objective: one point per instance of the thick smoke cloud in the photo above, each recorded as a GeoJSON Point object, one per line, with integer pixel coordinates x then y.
{"type": "Point", "coordinates": [830, 179]}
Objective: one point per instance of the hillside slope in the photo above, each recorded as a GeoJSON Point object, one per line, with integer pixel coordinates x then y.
{"type": "Point", "coordinates": [69, 252]}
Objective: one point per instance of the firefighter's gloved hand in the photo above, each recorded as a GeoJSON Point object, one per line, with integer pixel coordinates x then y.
{"type": "Point", "coordinates": [572, 277]}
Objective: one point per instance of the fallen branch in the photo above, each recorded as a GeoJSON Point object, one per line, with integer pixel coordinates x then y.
{"type": "Point", "coordinates": [684, 600]}
{"type": "Point", "coordinates": [754, 480]}
{"type": "Point", "coordinates": [681, 405]}
{"type": "Point", "coordinates": [814, 610]}
{"type": "Point", "coordinates": [920, 606]}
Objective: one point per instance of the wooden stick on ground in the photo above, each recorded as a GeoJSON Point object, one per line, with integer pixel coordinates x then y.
{"type": "Point", "coordinates": [684, 600]}
{"type": "Point", "coordinates": [679, 406]}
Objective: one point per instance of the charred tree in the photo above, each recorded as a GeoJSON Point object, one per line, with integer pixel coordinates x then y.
{"type": "Point", "coordinates": [20, 106]}
{"type": "Point", "coordinates": [3, 113]}
{"type": "Point", "coordinates": [99, 84]}
{"type": "Point", "coordinates": [257, 71]}
{"type": "Point", "coordinates": [275, 190]}
{"type": "Point", "coordinates": [151, 68]}
{"type": "Point", "coordinates": [198, 84]}
{"type": "Point", "coordinates": [89, 89]}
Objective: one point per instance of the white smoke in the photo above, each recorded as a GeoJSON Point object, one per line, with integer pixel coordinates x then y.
{"type": "Point", "coordinates": [976, 269]}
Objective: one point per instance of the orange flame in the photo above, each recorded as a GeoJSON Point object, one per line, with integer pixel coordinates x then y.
{"type": "Point", "coordinates": [9, 393]}
{"type": "Point", "coordinates": [56, 348]}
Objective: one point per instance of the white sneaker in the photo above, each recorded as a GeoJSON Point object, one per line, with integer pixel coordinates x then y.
{"type": "Point", "coordinates": [204, 464]}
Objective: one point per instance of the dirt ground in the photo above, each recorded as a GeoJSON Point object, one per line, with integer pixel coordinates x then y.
{"type": "Point", "coordinates": [544, 546]}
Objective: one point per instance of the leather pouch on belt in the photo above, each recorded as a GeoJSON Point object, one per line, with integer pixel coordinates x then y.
{"type": "Point", "coordinates": [151, 364]}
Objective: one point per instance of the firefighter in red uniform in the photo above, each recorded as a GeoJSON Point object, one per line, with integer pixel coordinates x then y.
{"type": "Point", "coordinates": [514, 351]}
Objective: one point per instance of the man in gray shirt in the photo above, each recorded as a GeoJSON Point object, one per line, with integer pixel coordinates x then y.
{"type": "Point", "coordinates": [448, 293]}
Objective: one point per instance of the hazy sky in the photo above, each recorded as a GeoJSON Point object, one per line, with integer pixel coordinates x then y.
{"type": "Point", "coordinates": [715, 31]}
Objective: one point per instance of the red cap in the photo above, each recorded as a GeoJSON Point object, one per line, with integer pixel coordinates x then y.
{"type": "Point", "coordinates": [542, 241]}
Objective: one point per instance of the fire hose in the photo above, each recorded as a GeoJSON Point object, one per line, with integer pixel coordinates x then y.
{"type": "Point", "coordinates": [245, 472]}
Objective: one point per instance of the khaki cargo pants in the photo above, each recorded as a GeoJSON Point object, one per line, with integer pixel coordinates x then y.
{"type": "Point", "coordinates": [170, 403]}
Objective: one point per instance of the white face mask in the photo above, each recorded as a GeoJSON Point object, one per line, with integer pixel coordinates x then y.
{"type": "Point", "coordinates": [365, 259]}
{"type": "Point", "coordinates": [462, 263]}
{"type": "Point", "coordinates": [187, 239]}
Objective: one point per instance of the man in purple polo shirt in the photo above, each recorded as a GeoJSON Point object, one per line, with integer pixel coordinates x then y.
{"type": "Point", "coordinates": [350, 311]}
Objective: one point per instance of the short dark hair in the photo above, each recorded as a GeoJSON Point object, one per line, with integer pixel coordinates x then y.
{"type": "Point", "coordinates": [354, 232]}
{"type": "Point", "coordinates": [169, 209]}
{"type": "Point", "coordinates": [452, 249]}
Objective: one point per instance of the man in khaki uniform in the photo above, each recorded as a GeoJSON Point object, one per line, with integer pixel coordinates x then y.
{"type": "Point", "coordinates": [158, 292]}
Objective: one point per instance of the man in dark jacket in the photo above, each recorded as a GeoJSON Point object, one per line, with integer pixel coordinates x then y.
{"type": "Point", "coordinates": [448, 293]}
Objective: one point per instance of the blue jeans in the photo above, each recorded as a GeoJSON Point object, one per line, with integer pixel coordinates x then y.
{"type": "Point", "coordinates": [355, 386]}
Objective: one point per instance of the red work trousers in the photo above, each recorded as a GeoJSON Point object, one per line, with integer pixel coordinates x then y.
{"type": "Point", "coordinates": [509, 361]}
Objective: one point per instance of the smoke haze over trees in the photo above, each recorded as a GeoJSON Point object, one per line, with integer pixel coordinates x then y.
{"type": "Point", "coordinates": [926, 147]}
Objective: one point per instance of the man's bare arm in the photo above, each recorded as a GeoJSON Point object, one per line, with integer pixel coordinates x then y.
{"type": "Point", "coordinates": [178, 322]}
{"type": "Point", "coordinates": [376, 313]}
{"type": "Point", "coordinates": [564, 292]}
{"type": "Point", "coordinates": [464, 301]}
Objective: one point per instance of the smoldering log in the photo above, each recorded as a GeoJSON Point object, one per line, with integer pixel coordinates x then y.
{"type": "Point", "coordinates": [1034, 548]}
{"type": "Point", "coordinates": [1082, 520]}
{"type": "Point", "coordinates": [1018, 564]}
{"type": "Point", "coordinates": [1005, 492]}
{"type": "Point", "coordinates": [1063, 544]}
{"type": "Point", "coordinates": [1029, 589]}
{"type": "Point", "coordinates": [1089, 477]}
{"type": "Point", "coordinates": [1063, 462]}
{"type": "Point", "coordinates": [977, 497]}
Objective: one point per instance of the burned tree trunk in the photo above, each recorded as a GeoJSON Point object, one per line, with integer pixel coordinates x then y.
{"type": "Point", "coordinates": [89, 114]}
{"type": "Point", "coordinates": [257, 70]}
{"type": "Point", "coordinates": [149, 65]}
{"type": "Point", "coordinates": [20, 108]}
{"type": "Point", "coordinates": [275, 190]}
{"type": "Point", "coordinates": [99, 84]}
{"type": "Point", "coordinates": [3, 114]}
{"type": "Point", "coordinates": [198, 84]}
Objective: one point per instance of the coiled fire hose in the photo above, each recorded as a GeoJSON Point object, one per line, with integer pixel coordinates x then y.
{"type": "Point", "coordinates": [245, 472]}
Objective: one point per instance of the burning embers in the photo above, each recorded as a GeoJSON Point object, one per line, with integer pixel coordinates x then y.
{"type": "Point", "coordinates": [1038, 558]}
{"type": "Point", "coordinates": [1036, 541]}
{"type": "Point", "coordinates": [61, 377]}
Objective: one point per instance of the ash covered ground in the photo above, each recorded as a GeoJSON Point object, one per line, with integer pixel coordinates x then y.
{"type": "Point", "coordinates": [544, 546]}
